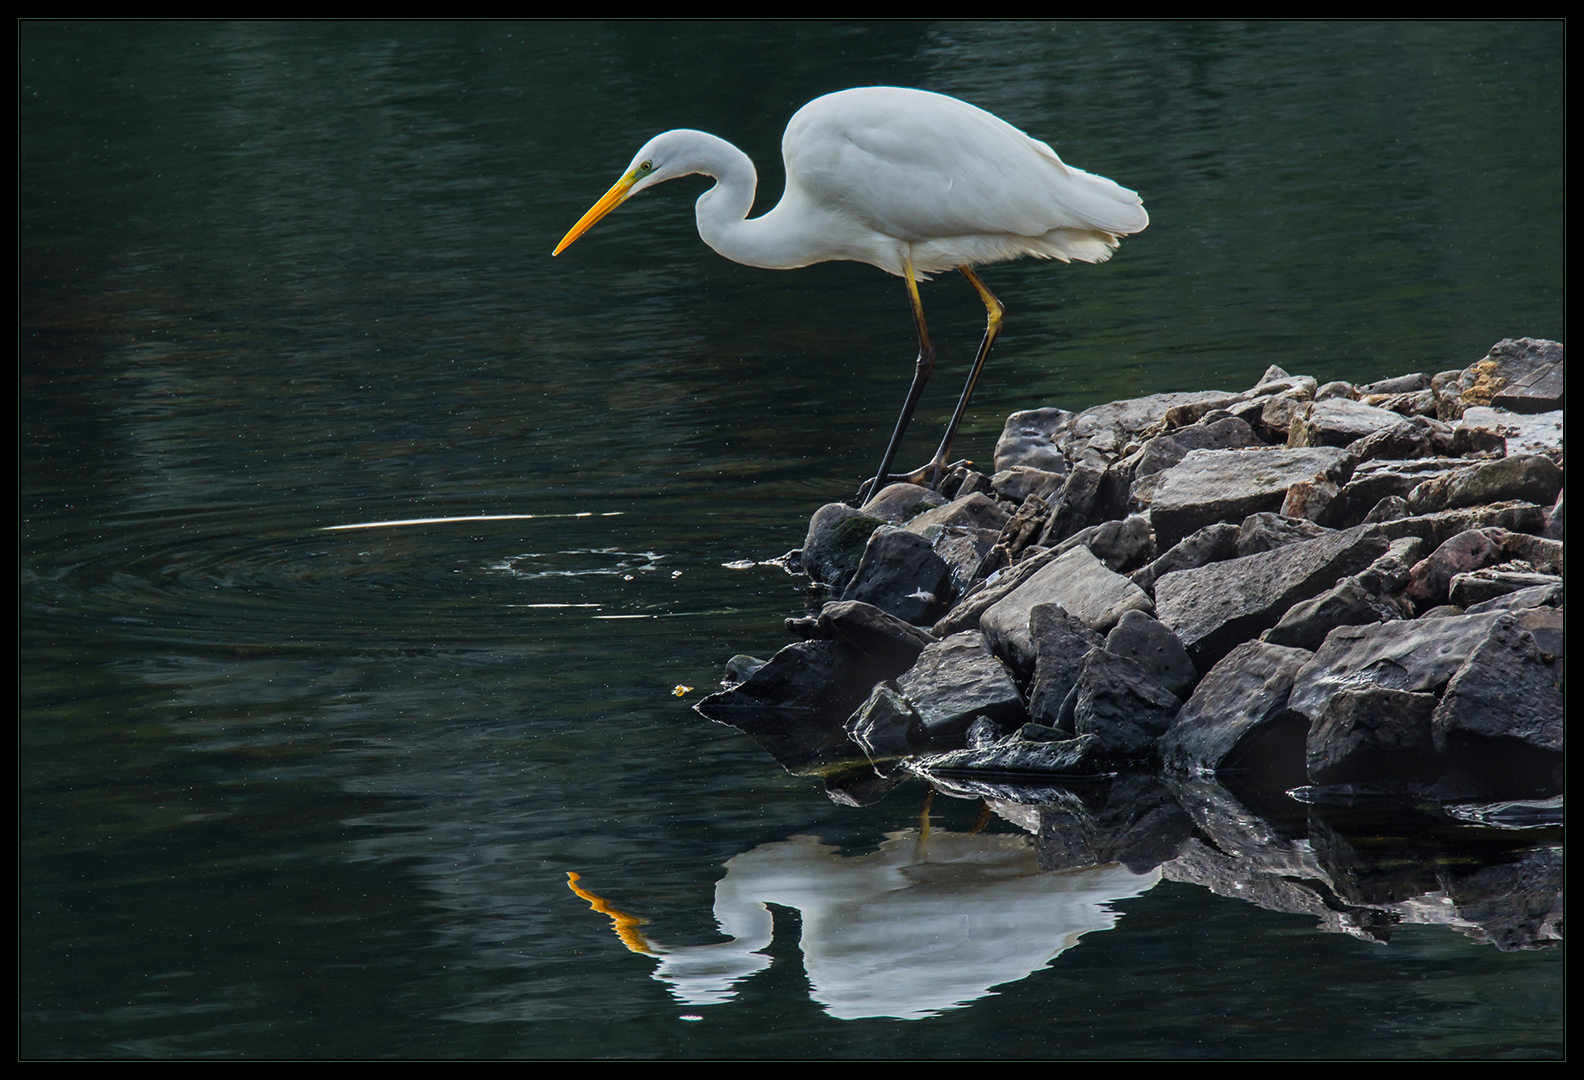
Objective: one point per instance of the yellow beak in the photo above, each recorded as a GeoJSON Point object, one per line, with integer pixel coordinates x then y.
{"type": "Point", "coordinates": [610, 201]}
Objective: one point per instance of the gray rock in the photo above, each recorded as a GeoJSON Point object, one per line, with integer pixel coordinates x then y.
{"type": "Point", "coordinates": [901, 503]}
{"type": "Point", "coordinates": [1493, 582]}
{"type": "Point", "coordinates": [1120, 704]}
{"type": "Point", "coordinates": [1371, 735]}
{"type": "Point", "coordinates": [1338, 421]}
{"type": "Point", "coordinates": [835, 543]}
{"type": "Point", "coordinates": [957, 679]}
{"type": "Point", "coordinates": [1164, 451]}
{"type": "Point", "coordinates": [1267, 532]}
{"type": "Point", "coordinates": [1336, 389]}
{"type": "Point", "coordinates": [1109, 428]}
{"type": "Point", "coordinates": [1155, 648]}
{"type": "Point", "coordinates": [1228, 485]}
{"type": "Point", "coordinates": [1419, 656]}
{"type": "Point", "coordinates": [1531, 478]}
{"type": "Point", "coordinates": [1534, 597]}
{"type": "Point", "coordinates": [1347, 603]}
{"type": "Point", "coordinates": [888, 641]}
{"type": "Point", "coordinates": [1238, 716]}
{"type": "Point", "coordinates": [1077, 581]}
{"type": "Point", "coordinates": [1382, 478]}
{"type": "Point", "coordinates": [1504, 690]}
{"type": "Point", "coordinates": [1404, 440]}
{"type": "Point", "coordinates": [1402, 384]}
{"type": "Point", "coordinates": [886, 726]}
{"type": "Point", "coordinates": [1468, 550]}
{"type": "Point", "coordinates": [1021, 481]}
{"type": "Point", "coordinates": [1029, 438]}
{"type": "Point", "coordinates": [1213, 543]}
{"type": "Point", "coordinates": [1540, 433]}
{"type": "Point", "coordinates": [1060, 644]}
{"type": "Point", "coordinates": [901, 574]}
{"type": "Point", "coordinates": [1214, 608]}
{"type": "Point", "coordinates": [1121, 545]}
{"type": "Point", "coordinates": [1075, 503]}
{"type": "Point", "coordinates": [973, 510]}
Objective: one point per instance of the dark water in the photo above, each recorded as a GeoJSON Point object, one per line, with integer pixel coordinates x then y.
{"type": "Point", "coordinates": [293, 790]}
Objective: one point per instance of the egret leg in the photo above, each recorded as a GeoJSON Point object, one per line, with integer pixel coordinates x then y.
{"type": "Point", "coordinates": [921, 374]}
{"type": "Point", "coordinates": [995, 316]}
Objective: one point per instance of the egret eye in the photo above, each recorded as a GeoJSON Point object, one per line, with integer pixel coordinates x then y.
{"type": "Point", "coordinates": [646, 166]}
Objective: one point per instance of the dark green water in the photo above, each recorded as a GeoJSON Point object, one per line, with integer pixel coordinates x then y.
{"type": "Point", "coordinates": [293, 792]}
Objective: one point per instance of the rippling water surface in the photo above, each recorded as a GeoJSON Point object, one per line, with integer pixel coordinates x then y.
{"type": "Point", "coordinates": [290, 787]}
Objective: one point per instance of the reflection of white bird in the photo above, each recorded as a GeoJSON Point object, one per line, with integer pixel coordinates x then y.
{"type": "Point", "coordinates": [909, 181]}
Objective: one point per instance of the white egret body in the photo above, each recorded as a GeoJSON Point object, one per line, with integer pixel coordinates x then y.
{"type": "Point", "coordinates": [906, 180]}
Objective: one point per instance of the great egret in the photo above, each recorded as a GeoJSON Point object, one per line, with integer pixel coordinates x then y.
{"type": "Point", "coordinates": [906, 180]}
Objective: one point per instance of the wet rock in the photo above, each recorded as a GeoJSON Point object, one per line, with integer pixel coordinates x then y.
{"type": "Point", "coordinates": [1077, 581]}
{"type": "Point", "coordinates": [957, 679]}
{"type": "Point", "coordinates": [964, 551]}
{"type": "Point", "coordinates": [1419, 656]}
{"type": "Point", "coordinates": [1238, 715]}
{"type": "Point", "coordinates": [1213, 543]}
{"type": "Point", "coordinates": [1081, 758]}
{"type": "Point", "coordinates": [1060, 644]}
{"type": "Point", "coordinates": [889, 642]}
{"type": "Point", "coordinates": [820, 678]}
{"type": "Point", "coordinates": [901, 574]}
{"type": "Point", "coordinates": [739, 667]}
{"type": "Point", "coordinates": [1214, 608]}
{"type": "Point", "coordinates": [1119, 703]}
{"type": "Point", "coordinates": [835, 543]}
{"type": "Point", "coordinates": [887, 726]}
{"type": "Point", "coordinates": [1029, 438]}
{"type": "Point", "coordinates": [1220, 485]}
{"type": "Point", "coordinates": [1155, 648]}
{"type": "Point", "coordinates": [1374, 734]}
{"type": "Point", "coordinates": [1347, 603]}
{"type": "Point", "coordinates": [1505, 690]}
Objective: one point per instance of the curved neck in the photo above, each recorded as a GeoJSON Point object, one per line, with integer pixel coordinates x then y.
{"type": "Point", "coordinates": [773, 240]}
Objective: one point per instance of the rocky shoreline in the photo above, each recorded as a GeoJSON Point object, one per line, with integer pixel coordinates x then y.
{"type": "Point", "coordinates": [1340, 590]}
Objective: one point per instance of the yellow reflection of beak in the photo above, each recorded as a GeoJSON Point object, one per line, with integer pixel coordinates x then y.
{"type": "Point", "coordinates": [610, 201]}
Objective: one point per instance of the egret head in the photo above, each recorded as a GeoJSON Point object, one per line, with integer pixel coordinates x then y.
{"type": "Point", "coordinates": [664, 157]}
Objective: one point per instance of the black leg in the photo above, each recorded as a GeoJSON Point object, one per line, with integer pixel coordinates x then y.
{"type": "Point", "coordinates": [995, 315]}
{"type": "Point", "coordinates": [921, 374]}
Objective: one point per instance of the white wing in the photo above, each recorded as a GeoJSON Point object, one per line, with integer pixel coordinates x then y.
{"type": "Point", "coordinates": [919, 166]}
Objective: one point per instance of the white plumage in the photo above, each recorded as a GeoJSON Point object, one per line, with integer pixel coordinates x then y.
{"type": "Point", "coordinates": [906, 180]}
